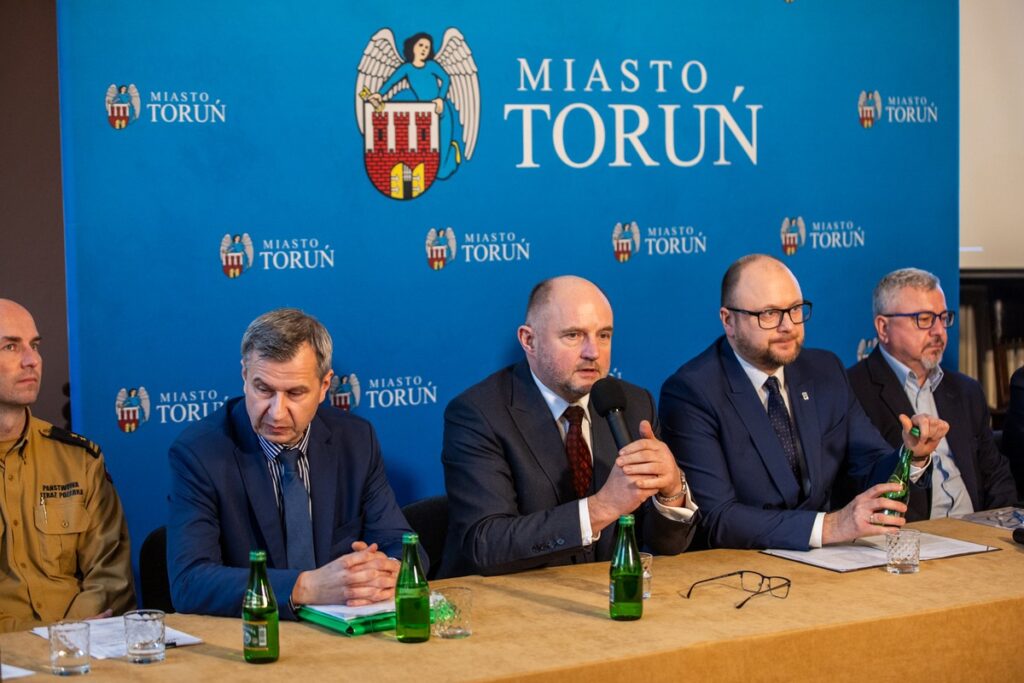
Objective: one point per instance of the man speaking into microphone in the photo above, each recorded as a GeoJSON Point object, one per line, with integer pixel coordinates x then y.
{"type": "Point", "coordinates": [533, 472]}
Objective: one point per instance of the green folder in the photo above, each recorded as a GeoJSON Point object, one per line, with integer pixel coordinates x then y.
{"type": "Point", "coordinates": [384, 621]}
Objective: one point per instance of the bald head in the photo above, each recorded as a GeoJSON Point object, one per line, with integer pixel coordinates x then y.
{"type": "Point", "coordinates": [21, 366]}
{"type": "Point", "coordinates": [756, 283]}
{"type": "Point", "coordinates": [567, 336]}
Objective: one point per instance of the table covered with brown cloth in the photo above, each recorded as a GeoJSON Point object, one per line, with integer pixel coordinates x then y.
{"type": "Point", "coordinates": [960, 618]}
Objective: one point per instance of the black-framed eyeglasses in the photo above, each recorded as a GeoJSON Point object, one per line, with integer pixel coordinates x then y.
{"type": "Point", "coordinates": [925, 319]}
{"type": "Point", "coordinates": [752, 582]}
{"type": "Point", "coordinates": [771, 318]}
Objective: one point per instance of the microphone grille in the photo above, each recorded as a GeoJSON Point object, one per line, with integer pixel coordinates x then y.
{"type": "Point", "coordinates": [607, 395]}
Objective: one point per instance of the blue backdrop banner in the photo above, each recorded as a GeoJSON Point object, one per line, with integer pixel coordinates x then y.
{"type": "Point", "coordinates": [407, 171]}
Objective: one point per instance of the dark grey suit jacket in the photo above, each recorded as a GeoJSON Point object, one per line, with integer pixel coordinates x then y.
{"type": "Point", "coordinates": [1013, 430]}
{"type": "Point", "coordinates": [960, 402]}
{"type": "Point", "coordinates": [511, 502]}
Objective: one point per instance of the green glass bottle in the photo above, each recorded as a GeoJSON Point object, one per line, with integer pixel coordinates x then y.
{"type": "Point", "coordinates": [901, 475]}
{"type": "Point", "coordinates": [625, 592]}
{"type": "Point", "coordinates": [412, 595]}
{"type": "Point", "coordinates": [260, 644]}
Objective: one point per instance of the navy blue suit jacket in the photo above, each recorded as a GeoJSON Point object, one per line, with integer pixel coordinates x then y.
{"type": "Point", "coordinates": [222, 505]}
{"type": "Point", "coordinates": [960, 402]}
{"type": "Point", "coordinates": [511, 502]}
{"type": "Point", "coordinates": [718, 429]}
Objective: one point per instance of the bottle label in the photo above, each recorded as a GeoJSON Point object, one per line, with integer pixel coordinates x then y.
{"type": "Point", "coordinates": [254, 635]}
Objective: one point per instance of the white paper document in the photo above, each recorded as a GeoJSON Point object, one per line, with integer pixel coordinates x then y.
{"type": "Point", "coordinates": [9, 673]}
{"type": "Point", "coordinates": [870, 552]}
{"type": "Point", "coordinates": [1004, 518]}
{"type": "Point", "coordinates": [106, 637]}
{"type": "Point", "coordinates": [347, 613]}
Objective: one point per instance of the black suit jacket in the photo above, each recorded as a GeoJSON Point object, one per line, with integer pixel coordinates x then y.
{"type": "Point", "coordinates": [1013, 430]}
{"type": "Point", "coordinates": [960, 402]}
{"type": "Point", "coordinates": [511, 501]}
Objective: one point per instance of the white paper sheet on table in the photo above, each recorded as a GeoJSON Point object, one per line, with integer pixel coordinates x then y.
{"type": "Point", "coordinates": [870, 552]}
{"type": "Point", "coordinates": [8, 672]}
{"type": "Point", "coordinates": [106, 637]}
{"type": "Point", "coordinates": [348, 613]}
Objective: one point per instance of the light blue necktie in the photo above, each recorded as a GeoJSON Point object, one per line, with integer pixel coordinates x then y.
{"type": "Point", "coordinates": [297, 523]}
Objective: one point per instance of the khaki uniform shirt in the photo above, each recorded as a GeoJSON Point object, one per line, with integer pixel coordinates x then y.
{"type": "Point", "coordinates": [64, 550]}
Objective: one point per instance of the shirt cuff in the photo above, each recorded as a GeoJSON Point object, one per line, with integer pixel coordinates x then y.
{"type": "Point", "coordinates": [819, 523]}
{"type": "Point", "coordinates": [587, 536]}
{"type": "Point", "coordinates": [677, 514]}
{"type": "Point", "coordinates": [916, 472]}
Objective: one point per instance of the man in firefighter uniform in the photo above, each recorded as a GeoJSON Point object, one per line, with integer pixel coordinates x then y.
{"type": "Point", "coordinates": [64, 550]}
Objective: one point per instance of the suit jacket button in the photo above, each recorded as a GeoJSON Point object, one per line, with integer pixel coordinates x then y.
{"type": "Point", "coordinates": [560, 541]}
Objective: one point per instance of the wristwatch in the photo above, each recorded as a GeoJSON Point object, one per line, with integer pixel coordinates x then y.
{"type": "Point", "coordinates": [681, 494]}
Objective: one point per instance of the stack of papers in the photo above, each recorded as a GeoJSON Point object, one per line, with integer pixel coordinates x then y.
{"type": "Point", "coordinates": [870, 552]}
{"type": "Point", "coordinates": [351, 621]}
{"type": "Point", "coordinates": [106, 637]}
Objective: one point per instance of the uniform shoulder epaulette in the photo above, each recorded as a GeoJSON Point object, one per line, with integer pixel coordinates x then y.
{"type": "Point", "coordinates": [64, 436]}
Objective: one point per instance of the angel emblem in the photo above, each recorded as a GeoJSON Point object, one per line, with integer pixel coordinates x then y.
{"type": "Point", "coordinates": [132, 407]}
{"type": "Point", "coordinates": [440, 247]}
{"type": "Point", "coordinates": [869, 105]}
{"type": "Point", "coordinates": [793, 235]}
{"type": "Point", "coordinates": [236, 253]}
{"type": "Point", "coordinates": [447, 78]}
{"type": "Point", "coordinates": [625, 240]}
{"type": "Point", "coordinates": [344, 391]}
{"type": "Point", "coordinates": [123, 104]}
{"type": "Point", "coordinates": [865, 347]}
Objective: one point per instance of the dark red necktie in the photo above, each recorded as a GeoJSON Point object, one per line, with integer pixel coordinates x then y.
{"type": "Point", "coordinates": [578, 452]}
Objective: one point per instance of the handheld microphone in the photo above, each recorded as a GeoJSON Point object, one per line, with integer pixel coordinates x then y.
{"type": "Point", "coordinates": [609, 401]}
{"type": "Point", "coordinates": [1018, 535]}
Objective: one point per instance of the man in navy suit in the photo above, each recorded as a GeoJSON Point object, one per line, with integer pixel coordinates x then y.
{"type": "Point", "coordinates": [534, 477]}
{"type": "Point", "coordinates": [278, 471]}
{"type": "Point", "coordinates": [763, 428]}
{"type": "Point", "coordinates": [966, 472]}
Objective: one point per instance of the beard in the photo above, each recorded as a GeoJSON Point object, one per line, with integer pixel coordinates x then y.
{"type": "Point", "coordinates": [930, 361]}
{"type": "Point", "coordinates": [770, 357]}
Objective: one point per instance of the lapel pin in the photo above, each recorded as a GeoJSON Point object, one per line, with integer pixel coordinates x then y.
{"type": "Point", "coordinates": [805, 396]}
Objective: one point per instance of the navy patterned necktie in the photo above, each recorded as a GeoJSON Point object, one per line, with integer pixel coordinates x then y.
{"type": "Point", "coordinates": [783, 426]}
{"type": "Point", "coordinates": [579, 454]}
{"type": "Point", "coordinates": [298, 526]}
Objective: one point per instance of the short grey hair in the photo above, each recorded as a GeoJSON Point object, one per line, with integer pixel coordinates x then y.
{"type": "Point", "coordinates": [890, 285]}
{"type": "Point", "coordinates": [279, 334]}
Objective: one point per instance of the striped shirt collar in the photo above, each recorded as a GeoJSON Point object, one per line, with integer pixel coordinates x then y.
{"type": "Point", "coordinates": [271, 449]}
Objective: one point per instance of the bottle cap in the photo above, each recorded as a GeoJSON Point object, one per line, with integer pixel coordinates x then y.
{"type": "Point", "coordinates": [626, 520]}
{"type": "Point", "coordinates": [411, 538]}
{"type": "Point", "coordinates": [257, 555]}
{"type": "Point", "coordinates": [914, 431]}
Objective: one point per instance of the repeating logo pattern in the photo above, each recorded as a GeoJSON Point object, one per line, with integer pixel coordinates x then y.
{"type": "Point", "coordinates": [132, 407]}
{"type": "Point", "coordinates": [123, 105]}
{"type": "Point", "coordinates": [440, 247]}
{"type": "Point", "coordinates": [793, 235]}
{"type": "Point", "coordinates": [344, 391]}
{"type": "Point", "coordinates": [625, 241]}
{"type": "Point", "coordinates": [236, 254]}
{"type": "Point", "coordinates": [420, 115]}
{"type": "Point", "coordinates": [869, 107]}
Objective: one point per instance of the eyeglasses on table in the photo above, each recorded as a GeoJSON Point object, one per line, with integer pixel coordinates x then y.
{"type": "Point", "coordinates": [752, 582]}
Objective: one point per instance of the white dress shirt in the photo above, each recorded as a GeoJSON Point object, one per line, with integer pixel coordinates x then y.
{"type": "Point", "coordinates": [557, 406]}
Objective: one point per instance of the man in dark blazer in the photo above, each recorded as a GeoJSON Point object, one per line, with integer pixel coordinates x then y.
{"type": "Point", "coordinates": [902, 375]}
{"type": "Point", "coordinates": [522, 490]}
{"type": "Point", "coordinates": [278, 471]}
{"type": "Point", "coordinates": [1013, 430]}
{"type": "Point", "coordinates": [763, 428]}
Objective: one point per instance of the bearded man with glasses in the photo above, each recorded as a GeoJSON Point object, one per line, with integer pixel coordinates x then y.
{"type": "Point", "coordinates": [763, 428]}
{"type": "Point", "coordinates": [966, 472]}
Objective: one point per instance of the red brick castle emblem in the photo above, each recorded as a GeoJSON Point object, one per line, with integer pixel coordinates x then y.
{"type": "Point", "coordinates": [418, 110]}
